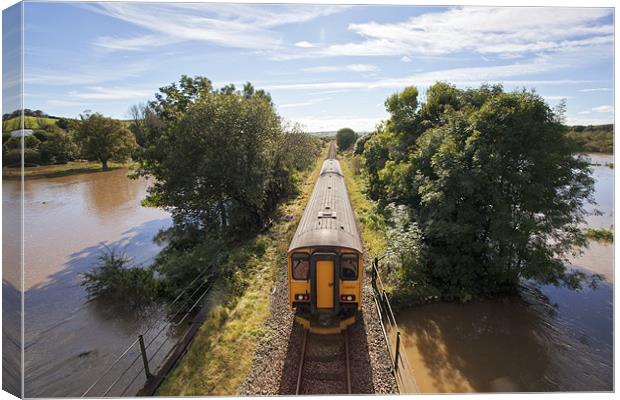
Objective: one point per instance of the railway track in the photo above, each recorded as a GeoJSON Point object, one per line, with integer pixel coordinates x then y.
{"type": "Point", "coordinates": [324, 365]}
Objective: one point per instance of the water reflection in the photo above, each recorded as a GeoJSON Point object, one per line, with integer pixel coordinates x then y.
{"type": "Point", "coordinates": [69, 341]}
{"type": "Point", "coordinates": [522, 343]}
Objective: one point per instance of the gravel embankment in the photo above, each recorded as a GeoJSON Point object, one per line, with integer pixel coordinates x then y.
{"type": "Point", "coordinates": [276, 359]}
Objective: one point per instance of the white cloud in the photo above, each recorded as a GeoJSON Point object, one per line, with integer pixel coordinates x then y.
{"type": "Point", "coordinates": [112, 93]}
{"type": "Point", "coordinates": [589, 121]}
{"type": "Point", "coordinates": [305, 103]}
{"type": "Point", "coordinates": [473, 76]}
{"type": "Point", "coordinates": [305, 45]}
{"type": "Point", "coordinates": [336, 68]}
{"type": "Point", "coordinates": [85, 74]}
{"type": "Point", "coordinates": [333, 123]}
{"type": "Point", "coordinates": [233, 25]}
{"type": "Point", "coordinates": [486, 30]}
{"type": "Point", "coordinates": [595, 90]}
{"type": "Point", "coordinates": [405, 59]}
{"type": "Point", "coordinates": [584, 112]}
{"type": "Point", "coordinates": [603, 109]}
{"type": "Point", "coordinates": [558, 97]}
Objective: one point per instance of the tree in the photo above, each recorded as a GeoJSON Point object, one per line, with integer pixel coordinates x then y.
{"type": "Point", "coordinates": [492, 184]}
{"type": "Point", "coordinates": [58, 147]}
{"type": "Point", "coordinates": [345, 138]}
{"type": "Point", "coordinates": [104, 139]}
{"type": "Point", "coordinates": [220, 158]}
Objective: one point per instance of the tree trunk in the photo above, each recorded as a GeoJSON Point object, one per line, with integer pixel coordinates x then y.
{"type": "Point", "coordinates": [104, 165]}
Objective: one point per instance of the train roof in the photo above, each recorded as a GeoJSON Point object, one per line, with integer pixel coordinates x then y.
{"type": "Point", "coordinates": [328, 219]}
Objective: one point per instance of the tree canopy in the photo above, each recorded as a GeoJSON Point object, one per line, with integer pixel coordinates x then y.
{"type": "Point", "coordinates": [104, 139]}
{"type": "Point", "coordinates": [345, 138]}
{"type": "Point", "coordinates": [221, 158]}
{"type": "Point", "coordinates": [491, 185]}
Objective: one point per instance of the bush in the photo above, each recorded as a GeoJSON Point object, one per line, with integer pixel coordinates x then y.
{"type": "Point", "coordinates": [32, 157]}
{"type": "Point", "coordinates": [58, 148]}
{"type": "Point", "coordinates": [115, 278]}
{"type": "Point", "coordinates": [12, 158]}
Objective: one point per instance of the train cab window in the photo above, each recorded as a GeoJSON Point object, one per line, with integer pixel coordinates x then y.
{"type": "Point", "coordinates": [301, 266]}
{"type": "Point", "coordinates": [348, 267]}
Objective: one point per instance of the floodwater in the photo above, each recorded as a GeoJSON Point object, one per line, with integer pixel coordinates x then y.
{"type": "Point", "coordinates": [547, 339]}
{"type": "Point", "coordinates": [68, 221]}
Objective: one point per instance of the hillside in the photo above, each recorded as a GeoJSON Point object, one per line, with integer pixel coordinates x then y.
{"type": "Point", "coordinates": [29, 122]}
{"type": "Point", "coordinates": [593, 138]}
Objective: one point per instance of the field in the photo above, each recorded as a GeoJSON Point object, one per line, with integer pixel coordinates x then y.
{"type": "Point", "coordinates": [29, 122]}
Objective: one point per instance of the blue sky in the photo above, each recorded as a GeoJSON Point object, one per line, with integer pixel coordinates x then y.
{"type": "Point", "coordinates": [325, 66]}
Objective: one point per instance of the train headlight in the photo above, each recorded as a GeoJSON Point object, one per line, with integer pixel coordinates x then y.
{"type": "Point", "coordinates": [302, 297]}
{"type": "Point", "coordinates": [347, 297]}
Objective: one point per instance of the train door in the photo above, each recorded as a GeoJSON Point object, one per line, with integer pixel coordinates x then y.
{"type": "Point", "coordinates": [324, 280]}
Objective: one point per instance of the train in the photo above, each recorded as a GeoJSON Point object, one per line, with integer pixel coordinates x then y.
{"type": "Point", "coordinates": [325, 256]}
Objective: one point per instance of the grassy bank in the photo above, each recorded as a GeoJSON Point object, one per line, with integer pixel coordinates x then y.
{"type": "Point", "coordinates": [371, 223]}
{"type": "Point", "coordinates": [220, 355]}
{"type": "Point", "coordinates": [53, 171]}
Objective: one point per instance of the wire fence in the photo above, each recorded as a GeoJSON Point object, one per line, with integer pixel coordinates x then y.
{"type": "Point", "coordinates": [400, 363]}
{"type": "Point", "coordinates": [132, 370]}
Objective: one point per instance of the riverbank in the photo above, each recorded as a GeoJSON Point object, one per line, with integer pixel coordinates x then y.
{"type": "Point", "coordinates": [57, 170]}
{"type": "Point", "coordinates": [221, 354]}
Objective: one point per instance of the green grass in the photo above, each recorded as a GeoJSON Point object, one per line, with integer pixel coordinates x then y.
{"type": "Point", "coordinates": [601, 235]}
{"type": "Point", "coordinates": [53, 171]}
{"type": "Point", "coordinates": [29, 123]}
{"type": "Point", "coordinates": [371, 223]}
{"type": "Point", "coordinates": [220, 355]}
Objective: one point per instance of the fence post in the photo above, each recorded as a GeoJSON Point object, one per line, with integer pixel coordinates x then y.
{"type": "Point", "coordinates": [375, 267]}
{"type": "Point", "coordinates": [145, 359]}
{"type": "Point", "coordinates": [397, 352]}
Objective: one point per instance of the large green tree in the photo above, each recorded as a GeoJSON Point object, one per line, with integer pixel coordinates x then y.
{"type": "Point", "coordinates": [345, 138]}
{"type": "Point", "coordinates": [104, 139]}
{"type": "Point", "coordinates": [221, 158]}
{"type": "Point", "coordinates": [490, 180]}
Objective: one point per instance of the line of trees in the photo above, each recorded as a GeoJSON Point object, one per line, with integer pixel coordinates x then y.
{"type": "Point", "coordinates": [92, 137]}
{"type": "Point", "coordinates": [483, 190]}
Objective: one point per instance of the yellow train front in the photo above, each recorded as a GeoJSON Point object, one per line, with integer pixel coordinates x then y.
{"type": "Point", "coordinates": [325, 257]}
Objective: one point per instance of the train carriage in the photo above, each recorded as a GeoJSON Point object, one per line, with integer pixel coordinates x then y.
{"type": "Point", "coordinates": [325, 256]}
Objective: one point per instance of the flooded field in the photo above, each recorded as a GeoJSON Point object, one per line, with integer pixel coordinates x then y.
{"type": "Point", "coordinates": [546, 339]}
{"type": "Point", "coordinates": [68, 221]}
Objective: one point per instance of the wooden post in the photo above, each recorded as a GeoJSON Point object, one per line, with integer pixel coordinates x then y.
{"type": "Point", "coordinates": [375, 267]}
{"type": "Point", "coordinates": [145, 359]}
{"type": "Point", "coordinates": [397, 352]}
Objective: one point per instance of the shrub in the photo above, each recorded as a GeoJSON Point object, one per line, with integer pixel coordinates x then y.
{"type": "Point", "coordinates": [114, 277]}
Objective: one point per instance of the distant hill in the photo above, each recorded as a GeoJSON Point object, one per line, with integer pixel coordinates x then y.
{"type": "Point", "coordinates": [30, 122]}
{"type": "Point", "coordinates": [593, 138]}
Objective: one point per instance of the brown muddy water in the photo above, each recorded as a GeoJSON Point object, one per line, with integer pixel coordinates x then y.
{"type": "Point", "coordinates": [68, 220]}
{"type": "Point", "coordinates": [546, 339]}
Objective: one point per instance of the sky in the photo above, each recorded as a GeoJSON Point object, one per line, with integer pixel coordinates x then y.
{"type": "Point", "coordinates": [326, 67]}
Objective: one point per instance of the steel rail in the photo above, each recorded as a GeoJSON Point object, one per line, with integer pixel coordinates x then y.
{"type": "Point", "coordinates": [347, 362]}
{"type": "Point", "coordinates": [301, 361]}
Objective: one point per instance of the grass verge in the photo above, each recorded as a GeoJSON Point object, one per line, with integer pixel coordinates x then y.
{"type": "Point", "coordinates": [56, 170]}
{"type": "Point", "coordinates": [220, 355]}
{"type": "Point", "coordinates": [371, 223]}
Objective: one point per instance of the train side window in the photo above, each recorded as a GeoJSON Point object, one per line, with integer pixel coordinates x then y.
{"type": "Point", "coordinates": [301, 266]}
{"type": "Point", "coordinates": [348, 267]}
